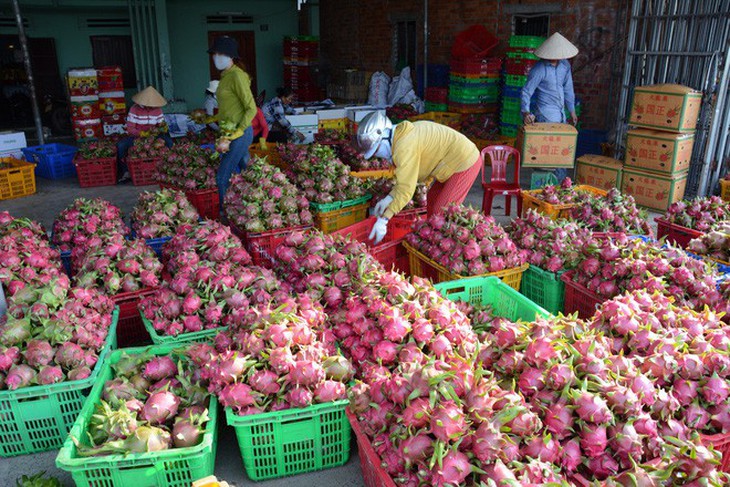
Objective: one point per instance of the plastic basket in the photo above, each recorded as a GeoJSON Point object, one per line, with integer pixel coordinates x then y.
{"type": "Point", "coordinates": [497, 140]}
{"type": "Point", "coordinates": [456, 107]}
{"type": "Point", "coordinates": [530, 201]}
{"type": "Point", "coordinates": [412, 215]}
{"type": "Point", "coordinates": [482, 82]}
{"type": "Point", "coordinates": [261, 246]}
{"type": "Point", "coordinates": [333, 124]}
{"type": "Point", "coordinates": [579, 299]}
{"type": "Point", "coordinates": [544, 288]}
{"type": "Point", "coordinates": [474, 91]}
{"type": "Point", "coordinates": [515, 80]}
{"type": "Point", "coordinates": [331, 221]}
{"type": "Point", "coordinates": [540, 179]}
{"type": "Point", "coordinates": [143, 171]}
{"type": "Point", "coordinates": [182, 338]}
{"type": "Point", "coordinates": [491, 291]}
{"type": "Point", "coordinates": [38, 418]}
{"type": "Point", "coordinates": [293, 441]}
{"type": "Point", "coordinates": [206, 201]}
{"type": "Point", "coordinates": [436, 107]}
{"type": "Point", "coordinates": [373, 473]}
{"type": "Point", "coordinates": [676, 234]}
{"type": "Point", "coordinates": [508, 130]}
{"type": "Point", "coordinates": [725, 189]}
{"type": "Point", "coordinates": [436, 95]}
{"type": "Point", "coordinates": [511, 104]}
{"type": "Point", "coordinates": [522, 54]}
{"type": "Point", "coordinates": [475, 99]}
{"type": "Point", "coordinates": [511, 118]}
{"type": "Point", "coordinates": [54, 161]}
{"type": "Point", "coordinates": [374, 174]}
{"type": "Point", "coordinates": [423, 266]}
{"type": "Point", "coordinates": [66, 261]}
{"type": "Point", "coordinates": [485, 66]}
{"type": "Point", "coordinates": [390, 252]}
{"type": "Point", "coordinates": [156, 244]}
{"type": "Point", "coordinates": [721, 443]}
{"type": "Point", "coordinates": [93, 173]}
{"type": "Point", "coordinates": [17, 180]}
{"type": "Point", "coordinates": [526, 41]}
{"type": "Point", "coordinates": [131, 330]}
{"type": "Point", "coordinates": [325, 207]}
{"type": "Point", "coordinates": [453, 120]}
{"type": "Point", "coordinates": [519, 67]}
{"type": "Point", "coordinates": [176, 467]}
{"type": "Point", "coordinates": [271, 154]}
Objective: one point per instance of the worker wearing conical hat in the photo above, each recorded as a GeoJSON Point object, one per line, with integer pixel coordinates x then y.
{"type": "Point", "coordinates": [552, 82]}
{"type": "Point", "coordinates": [145, 118]}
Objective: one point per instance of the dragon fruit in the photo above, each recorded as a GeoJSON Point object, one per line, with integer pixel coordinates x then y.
{"type": "Point", "coordinates": [714, 244]}
{"type": "Point", "coordinates": [698, 214]}
{"type": "Point", "coordinates": [84, 219]}
{"type": "Point", "coordinates": [381, 187]}
{"type": "Point", "coordinates": [159, 214]}
{"type": "Point", "coordinates": [615, 212]}
{"type": "Point", "coordinates": [563, 194]}
{"type": "Point", "coordinates": [97, 149]}
{"type": "Point", "coordinates": [186, 166]}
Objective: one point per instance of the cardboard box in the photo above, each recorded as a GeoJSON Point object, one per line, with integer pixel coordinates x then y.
{"type": "Point", "coordinates": [547, 145]}
{"type": "Point", "coordinates": [662, 152]}
{"type": "Point", "coordinates": [112, 125]}
{"type": "Point", "coordinates": [112, 102]}
{"type": "Point", "coordinates": [87, 129]}
{"type": "Point", "coordinates": [655, 191]}
{"type": "Point", "coordinates": [85, 107]}
{"type": "Point", "coordinates": [12, 141]}
{"type": "Point", "coordinates": [598, 171]}
{"type": "Point", "coordinates": [110, 78]}
{"type": "Point", "coordinates": [673, 108]}
{"type": "Point", "coordinates": [82, 82]}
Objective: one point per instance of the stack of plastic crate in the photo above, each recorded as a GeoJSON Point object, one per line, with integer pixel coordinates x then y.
{"type": "Point", "coordinates": [474, 85]}
{"type": "Point", "coordinates": [301, 67]}
{"type": "Point", "coordinates": [520, 59]}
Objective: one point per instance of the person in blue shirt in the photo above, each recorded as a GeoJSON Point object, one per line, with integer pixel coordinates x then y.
{"type": "Point", "coordinates": [551, 81]}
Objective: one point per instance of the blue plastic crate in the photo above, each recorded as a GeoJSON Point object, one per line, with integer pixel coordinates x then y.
{"type": "Point", "coordinates": [511, 91]}
{"type": "Point", "coordinates": [156, 244]}
{"type": "Point", "coordinates": [54, 161]}
{"type": "Point", "coordinates": [66, 261]}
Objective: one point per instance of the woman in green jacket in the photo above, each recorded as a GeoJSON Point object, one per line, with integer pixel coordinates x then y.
{"type": "Point", "coordinates": [236, 108]}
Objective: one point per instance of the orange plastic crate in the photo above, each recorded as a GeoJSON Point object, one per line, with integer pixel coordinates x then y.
{"type": "Point", "coordinates": [725, 189]}
{"type": "Point", "coordinates": [16, 180]}
{"type": "Point", "coordinates": [331, 221]}
{"type": "Point", "coordinates": [530, 201]}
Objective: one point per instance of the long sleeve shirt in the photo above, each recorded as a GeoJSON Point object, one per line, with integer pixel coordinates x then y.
{"type": "Point", "coordinates": [276, 111]}
{"type": "Point", "coordinates": [235, 100]}
{"type": "Point", "coordinates": [142, 119]}
{"type": "Point", "coordinates": [259, 125]}
{"type": "Point", "coordinates": [553, 86]}
{"type": "Point", "coordinates": [422, 150]}
{"type": "Point", "coordinates": [210, 105]}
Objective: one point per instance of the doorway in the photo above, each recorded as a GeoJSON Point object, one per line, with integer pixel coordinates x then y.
{"type": "Point", "coordinates": [246, 49]}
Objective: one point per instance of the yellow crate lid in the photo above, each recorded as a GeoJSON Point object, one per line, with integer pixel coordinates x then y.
{"type": "Point", "coordinates": [549, 128]}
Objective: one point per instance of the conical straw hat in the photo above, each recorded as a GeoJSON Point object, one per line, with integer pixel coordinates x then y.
{"type": "Point", "coordinates": [556, 47]}
{"type": "Point", "coordinates": [149, 97]}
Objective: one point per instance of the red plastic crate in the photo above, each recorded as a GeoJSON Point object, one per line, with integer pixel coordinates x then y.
{"type": "Point", "coordinates": [519, 67]}
{"type": "Point", "coordinates": [206, 201]}
{"type": "Point", "coordinates": [476, 68]}
{"type": "Point", "coordinates": [262, 245]}
{"type": "Point", "coordinates": [130, 329]}
{"type": "Point", "coordinates": [721, 443]}
{"type": "Point", "coordinates": [96, 172]}
{"type": "Point", "coordinates": [675, 233]}
{"type": "Point", "coordinates": [578, 298]}
{"type": "Point", "coordinates": [373, 474]}
{"type": "Point", "coordinates": [412, 214]}
{"type": "Point", "coordinates": [143, 171]}
{"type": "Point", "coordinates": [437, 94]}
{"type": "Point", "coordinates": [390, 252]}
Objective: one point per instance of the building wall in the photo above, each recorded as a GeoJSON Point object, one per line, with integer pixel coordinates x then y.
{"type": "Point", "coordinates": [354, 38]}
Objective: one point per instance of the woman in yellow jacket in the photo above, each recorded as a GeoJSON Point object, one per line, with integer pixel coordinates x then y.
{"type": "Point", "coordinates": [419, 151]}
{"type": "Point", "coordinates": [236, 105]}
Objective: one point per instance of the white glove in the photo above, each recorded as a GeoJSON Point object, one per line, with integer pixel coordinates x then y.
{"type": "Point", "coordinates": [382, 205]}
{"type": "Point", "coordinates": [379, 230]}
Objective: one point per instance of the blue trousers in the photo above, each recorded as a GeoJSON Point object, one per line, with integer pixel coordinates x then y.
{"type": "Point", "coordinates": [233, 162]}
{"type": "Point", "coordinates": [125, 144]}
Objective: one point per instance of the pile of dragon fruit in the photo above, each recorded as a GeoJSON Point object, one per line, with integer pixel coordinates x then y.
{"type": "Point", "coordinates": [381, 187]}
{"type": "Point", "coordinates": [480, 126]}
{"type": "Point", "coordinates": [26, 256]}
{"type": "Point", "coordinates": [261, 198]}
{"type": "Point", "coordinates": [97, 149]}
{"type": "Point", "coordinates": [552, 245]}
{"type": "Point", "coordinates": [52, 333]}
{"type": "Point", "coordinates": [153, 403]}
{"type": "Point", "coordinates": [187, 166]}
{"type": "Point", "coordinates": [563, 194]}
{"type": "Point", "coordinates": [119, 265]}
{"type": "Point", "coordinates": [614, 267]}
{"type": "Point", "coordinates": [321, 175]}
{"type": "Point", "coordinates": [148, 148]}
{"type": "Point", "coordinates": [401, 111]}
{"type": "Point", "coordinates": [158, 214]}
{"type": "Point", "coordinates": [331, 136]}
{"type": "Point", "coordinates": [715, 243]}
{"type": "Point", "coordinates": [698, 214]}
{"type": "Point", "coordinates": [615, 212]}
{"type": "Point", "coordinates": [351, 157]}
{"type": "Point", "coordinates": [466, 242]}
{"type": "Point", "coordinates": [77, 224]}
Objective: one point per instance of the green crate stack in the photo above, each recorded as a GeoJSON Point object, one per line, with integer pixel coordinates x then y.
{"type": "Point", "coordinates": [469, 89]}
{"type": "Point", "coordinates": [436, 107]}
{"type": "Point", "coordinates": [521, 47]}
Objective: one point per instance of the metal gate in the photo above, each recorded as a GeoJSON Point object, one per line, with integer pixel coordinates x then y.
{"type": "Point", "coordinates": [148, 20]}
{"type": "Point", "coordinates": [685, 42]}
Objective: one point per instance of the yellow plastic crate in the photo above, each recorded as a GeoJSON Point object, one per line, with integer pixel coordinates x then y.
{"type": "Point", "coordinates": [451, 119]}
{"type": "Point", "coordinates": [271, 153]}
{"type": "Point", "coordinates": [17, 179]}
{"type": "Point", "coordinates": [334, 124]}
{"type": "Point", "coordinates": [375, 174]}
{"type": "Point", "coordinates": [725, 189]}
{"type": "Point", "coordinates": [530, 201]}
{"type": "Point", "coordinates": [331, 221]}
{"type": "Point", "coordinates": [423, 266]}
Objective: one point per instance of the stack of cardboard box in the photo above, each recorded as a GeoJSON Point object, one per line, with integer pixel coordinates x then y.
{"type": "Point", "coordinates": [659, 148]}
{"type": "Point", "coordinates": [83, 89]}
{"type": "Point", "coordinates": [111, 99]}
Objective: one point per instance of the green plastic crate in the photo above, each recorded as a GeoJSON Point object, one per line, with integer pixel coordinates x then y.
{"type": "Point", "coordinates": [544, 288]}
{"type": "Point", "coordinates": [436, 107]}
{"type": "Point", "coordinates": [325, 207]}
{"type": "Point", "coordinates": [522, 55]}
{"type": "Point", "coordinates": [508, 130]}
{"type": "Point", "coordinates": [293, 441]}
{"type": "Point", "coordinates": [476, 91]}
{"type": "Point", "coordinates": [511, 104]}
{"type": "Point", "coordinates": [540, 179]}
{"type": "Point", "coordinates": [511, 118]}
{"type": "Point", "coordinates": [515, 80]}
{"type": "Point", "coordinates": [176, 467]}
{"type": "Point", "coordinates": [478, 80]}
{"type": "Point", "coordinates": [530, 42]}
{"type": "Point", "coordinates": [505, 301]}
{"type": "Point", "coordinates": [38, 418]}
{"type": "Point", "coordinates": [192, 337]}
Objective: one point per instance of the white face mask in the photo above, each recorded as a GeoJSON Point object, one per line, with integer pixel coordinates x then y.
{"type": "Point", "coordinates": [221, 62]}
{"type": "Point", "coordinates": [384, 151]}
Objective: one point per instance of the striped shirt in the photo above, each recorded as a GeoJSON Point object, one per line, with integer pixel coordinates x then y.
{"type": "Point", "coordinates": [142, 119]}
{"type": "Point", "coordinates": [275, 112]}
